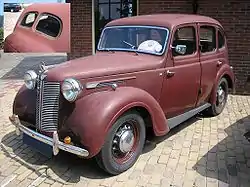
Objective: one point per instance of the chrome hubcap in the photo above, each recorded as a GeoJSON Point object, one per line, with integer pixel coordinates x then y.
{"type": "Point", "coordinates": [220, 95]}
{"type": "Point", "coordinates": [124, 140]}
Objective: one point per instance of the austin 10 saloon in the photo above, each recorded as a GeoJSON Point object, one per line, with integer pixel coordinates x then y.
{"type": "Point", "coordinates": [149, 73]}
{"type": "Point", "coordinates": [41, 28]}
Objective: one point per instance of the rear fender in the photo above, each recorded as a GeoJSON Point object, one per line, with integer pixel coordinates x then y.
{"type": "Point", "coordinates": [95, 114]}
{"type": "Point", "coordinates": [225, 71]}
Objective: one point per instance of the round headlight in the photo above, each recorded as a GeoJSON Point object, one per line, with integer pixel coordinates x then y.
{"type": "Point", "coordinates": [71, 88]}
{"type": "Point", "coordinates": [30, 79]}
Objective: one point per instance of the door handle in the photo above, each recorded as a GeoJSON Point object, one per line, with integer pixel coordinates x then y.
{"type": "Point", "coordinates": [219, 63]}
{"type": "Point", "coordinates": [170, 73]}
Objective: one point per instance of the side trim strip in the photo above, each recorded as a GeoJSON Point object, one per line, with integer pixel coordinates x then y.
{"type": "Point", "coordinates": [92, 85]}
{"type": "Point", "coordinates": [173, 122]}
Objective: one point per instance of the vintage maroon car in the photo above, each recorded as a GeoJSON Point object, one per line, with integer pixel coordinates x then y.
{"type": "Point", "coordinates": [157, 72]}
{"type": "Point", "coordinates": [42, 27]}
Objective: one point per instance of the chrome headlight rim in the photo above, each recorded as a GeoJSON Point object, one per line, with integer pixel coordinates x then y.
{"type": "Point", "coordinates": [72, 86]}
{"type": "Point", "coordinates": [30, 79]}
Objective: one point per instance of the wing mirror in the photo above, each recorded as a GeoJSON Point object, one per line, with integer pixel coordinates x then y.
{"type": "Point", "coordinates": [180, 49]}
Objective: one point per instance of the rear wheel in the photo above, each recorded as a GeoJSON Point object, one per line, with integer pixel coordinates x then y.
{"type": "Point", "coordinates": [123, 145]}
{"type": "Point", "coordinates": [221, 98]}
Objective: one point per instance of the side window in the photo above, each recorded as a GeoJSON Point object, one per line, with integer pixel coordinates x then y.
{"type": "Point", "coordinates": [29, 19]}
{"type": "Point", "coordinates": [221, 40]}
{"type": "Point", "coordinates": [185, 36]}
{"type": "Point", "coordinates": [49, 25]}
{"type": "Point", "coordinates": [207, 39]}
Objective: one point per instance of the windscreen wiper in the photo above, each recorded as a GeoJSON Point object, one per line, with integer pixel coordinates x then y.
{"type": "Point", "coordinates": [131, 45]}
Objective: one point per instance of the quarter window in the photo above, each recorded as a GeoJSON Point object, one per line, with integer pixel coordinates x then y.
{"type": "Point", "coordinates": [49, 25]}
{"type": "Point", "coordinates": [29, 19]}
{"type": "Point", "coordinates": [221, 39]}
{"type": "Point", "coordinates": [185, 36]}
{"type": "Point", "coordinates": [207, 39]}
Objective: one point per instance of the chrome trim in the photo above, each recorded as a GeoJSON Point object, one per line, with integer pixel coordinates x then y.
{"type": "Point", "coordinates": [44, 68]}
{"type": "Point", "coordinates": [135, 26]}
{"type": "Point", "coordinates": [47, 105]}
{"type": "Point", "coordinates": [114, 86]}
{"type": "Point", "coordinates": [54, 142]}
{"type": "Point", "coordinates": [92, 85]}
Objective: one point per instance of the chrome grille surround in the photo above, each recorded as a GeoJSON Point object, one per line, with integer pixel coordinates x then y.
{"type": "Point", "coordinates": [47, 105]}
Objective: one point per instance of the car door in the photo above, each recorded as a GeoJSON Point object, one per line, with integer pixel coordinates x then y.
{"type": "Point", "coordinates": [209, 58]}
{"type": "Point", "coordinates": [182, 80]}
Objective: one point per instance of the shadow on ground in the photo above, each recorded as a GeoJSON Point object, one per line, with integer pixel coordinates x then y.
{"type": "Point", "coordinates": [30, 62]}
{"type": "Point", "coordinates": [65, 166]}
{"type": "Point", "coordinates": [226, 162]}
{"type": "Point", "coordinates": [229, 160]}
{"type": "Point", "coordinates": [61, 168]}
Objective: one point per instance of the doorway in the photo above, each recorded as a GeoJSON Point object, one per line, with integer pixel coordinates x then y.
{"type": "Point", "coordinates": [108, 10]}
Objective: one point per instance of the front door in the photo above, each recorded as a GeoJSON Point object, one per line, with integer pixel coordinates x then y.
{"type": "Point", "coordinates": [182, 80]}
{"type": "Point", "coordinates": [108, 10]}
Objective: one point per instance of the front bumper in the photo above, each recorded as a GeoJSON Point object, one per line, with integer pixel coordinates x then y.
{"type": "Point", "coordinates": [54, 142]}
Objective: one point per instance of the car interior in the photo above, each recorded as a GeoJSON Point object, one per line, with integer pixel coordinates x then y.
{"type": "Point", "coordinates": [49, 26]}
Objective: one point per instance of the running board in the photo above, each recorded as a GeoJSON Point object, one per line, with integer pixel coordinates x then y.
{"type": "Point", "coordinates": [173, 122]}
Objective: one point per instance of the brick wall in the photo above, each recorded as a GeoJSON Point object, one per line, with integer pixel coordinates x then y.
{"type": "Point", "coordinates": [81, 28]}
{"type": "Point", "coordinates": [165, 6]}
{"type": "Point", "coordinates": [234, 15]}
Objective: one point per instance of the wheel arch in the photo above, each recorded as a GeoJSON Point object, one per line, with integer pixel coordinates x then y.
{"type": "Point", "coordinates": [229, 80]}
{"type": "Point", "coordinates": [224, 72]}
{"type": "Point", "coordinates": [104, 108]}
{"type": "Point", "coordinates": [144, 113]}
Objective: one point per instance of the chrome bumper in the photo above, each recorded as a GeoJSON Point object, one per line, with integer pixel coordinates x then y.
{"type": "Point", "coordinates": [54, 142]}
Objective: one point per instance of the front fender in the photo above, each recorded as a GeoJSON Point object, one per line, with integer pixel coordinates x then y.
{"type": "Point", "coordinates": [94, 114]}
{"type": "Point", "coordinates": [224, 71]}
{"type": "Point", "coordinates": [24, 104]}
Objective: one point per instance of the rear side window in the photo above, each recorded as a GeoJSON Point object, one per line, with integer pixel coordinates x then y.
{"type": "Point", "coordinates": [49, 25]}
{"type": "Point", "coordinates": [29, 19]}
{"type": "Point", "coordinates": [221, 40]}
{"type": "Point", "coordinates": [207, 39]}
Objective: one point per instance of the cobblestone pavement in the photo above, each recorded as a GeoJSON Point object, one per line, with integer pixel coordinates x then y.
{"type": "Point", "coordinates": [10, 19]}
{"type": "Point", "coordinates": [200, 152]}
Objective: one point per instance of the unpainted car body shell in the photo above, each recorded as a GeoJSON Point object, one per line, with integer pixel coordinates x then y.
{"type": "Point", "coordinates": [29, 40]}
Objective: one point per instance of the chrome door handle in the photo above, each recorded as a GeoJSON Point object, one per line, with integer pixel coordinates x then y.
{"type": "Point", "coordinates": [219, 63]}
{"type": "Point", "coordinates": [170, 73]}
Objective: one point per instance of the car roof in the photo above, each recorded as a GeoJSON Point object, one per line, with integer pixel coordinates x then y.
{"type": "Point", "coordinates": [59, 9]}
{"type": "Point", "coordinates": [164, 20]}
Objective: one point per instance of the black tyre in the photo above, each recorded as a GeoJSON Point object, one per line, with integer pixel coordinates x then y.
{"type": "Point", "coordinates": [221, 99]}
{"type": "Point", "coordinates": [123, 144]}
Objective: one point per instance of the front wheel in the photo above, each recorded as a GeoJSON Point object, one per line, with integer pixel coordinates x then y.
{"type": "Point", "coordinates": [221, 98]}
{"type": "Point", "coordinates": [123, 145]}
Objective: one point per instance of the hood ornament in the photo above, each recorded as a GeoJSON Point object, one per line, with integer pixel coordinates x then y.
{"type": "Point", "coordinates": [43, 67]}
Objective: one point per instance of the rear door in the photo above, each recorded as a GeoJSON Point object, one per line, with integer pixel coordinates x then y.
{"type": "Point", "coordinates": [182, 81]}
{"type": "Point", "coordinates": [209, 58]}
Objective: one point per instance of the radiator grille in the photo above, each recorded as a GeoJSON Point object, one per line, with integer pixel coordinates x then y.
{"type": "Point", "coordinates": [47, 105]}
